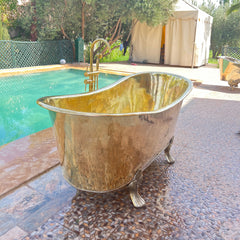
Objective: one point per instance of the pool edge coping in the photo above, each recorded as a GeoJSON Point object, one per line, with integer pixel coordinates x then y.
{"type": "Point", "coordinates": [47, 68]}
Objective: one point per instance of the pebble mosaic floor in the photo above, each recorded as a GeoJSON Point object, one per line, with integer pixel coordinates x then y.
{"type": "Point", "coordinates": [197, 197]}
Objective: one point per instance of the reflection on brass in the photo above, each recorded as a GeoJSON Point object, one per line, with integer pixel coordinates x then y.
{"type": "Point", "coordinates": [105, 137]}
{"type": "Point", "coordinates": [137, 200]}
{"type": "Point", "coordinates": [92, 81]}
{"type": "Point", "coordinates": [167, 152]}
{"type": "Point", "coordinates": [93, 75]}
{"type": "Point", "coordinates": [230, 70]}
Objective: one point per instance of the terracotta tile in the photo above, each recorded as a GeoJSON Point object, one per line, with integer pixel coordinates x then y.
{"type": "Point", "coordinates": [26, 158]}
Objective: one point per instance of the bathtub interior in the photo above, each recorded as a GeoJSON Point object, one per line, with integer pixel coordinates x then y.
{"type": "Point", "coordinates": [138, 93]}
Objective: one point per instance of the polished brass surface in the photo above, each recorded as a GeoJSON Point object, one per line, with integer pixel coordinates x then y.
{"type": "Point", "coordinates": [93, 75]}
{"type": "Point", "coordinates": [92, 81]}
{"type": "Point", "coordinates": [136, 198]}
{"type": "Point", "coordinates": [167, 152]}
{"type": "Point", "coordinates": [230, 70]}
{"type": "Point", "coordinates": [105, 137]}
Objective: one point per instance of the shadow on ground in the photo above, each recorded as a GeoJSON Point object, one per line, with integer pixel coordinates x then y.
{"type": "Point", "coordinates": [223, 89]}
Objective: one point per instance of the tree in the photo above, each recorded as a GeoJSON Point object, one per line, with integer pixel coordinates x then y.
{"type": "Point", "coordinates": [110, 19]}
{"type": "Point", "coordinates": [235, 7]}
{"type": "Point", "coordinates": [115, 18]}
{"type": "Point", "coordinates": [225, 29]}
{"type": "Point", "coordinates": [33, 28]}
{"type": "Point", "coordinates": [4, 35]}
{"type": "Point", "coordinates": [85, 3]}
{"type": "Point", "coordinates": [152, 12]}
{"type": "Point", "coordinates": [7, 8]}
{"type": "Point", "coordinates": [209, 7]}
{"type": "Point", "coordinates": [223, 2]}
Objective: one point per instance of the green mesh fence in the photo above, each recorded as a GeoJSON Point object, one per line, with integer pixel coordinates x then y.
{"type": "Point", "coordinates": [79, 49]}
{"type": "Point", "coordinates": [17, 54]}
{"type": "Point", "coordinates": [233, 52]}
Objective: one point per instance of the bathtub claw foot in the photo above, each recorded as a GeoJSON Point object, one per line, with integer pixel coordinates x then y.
{"type": "Point", "coordinates": [169, 158]}
{"type": "Point", "coordinates": [136, 198]}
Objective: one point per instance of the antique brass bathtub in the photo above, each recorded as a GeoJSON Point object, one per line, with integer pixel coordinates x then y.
{"type": "Point", "coordinates": [229, 70]}
{"type": "Point", "coordinates": [108, 137]}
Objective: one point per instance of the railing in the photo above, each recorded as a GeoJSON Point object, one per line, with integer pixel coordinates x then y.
{"type": "Point", "coordinates": [17, 54]}
{"type": "Point", "coordinates": [233, 52]}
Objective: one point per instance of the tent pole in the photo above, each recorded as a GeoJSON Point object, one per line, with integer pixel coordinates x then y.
{"type": "Point", "coordinates": [193, 53]}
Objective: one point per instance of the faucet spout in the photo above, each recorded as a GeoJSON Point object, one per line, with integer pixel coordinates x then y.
{"type": "Point", "coordinates": [92, 48]}
{"type": "Point", "coordinates": [93, 76]}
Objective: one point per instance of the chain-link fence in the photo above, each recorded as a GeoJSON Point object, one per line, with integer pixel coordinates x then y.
{"type": "Point", "coordinates": [233, 52]}
{"type": "Point", "coordinates": [17, 54]}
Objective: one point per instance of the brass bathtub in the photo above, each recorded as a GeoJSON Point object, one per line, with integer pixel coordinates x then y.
{"type": "Point", "coordinates": [108, 137]}
{"type": "Point", "coordinates": [229, 70]}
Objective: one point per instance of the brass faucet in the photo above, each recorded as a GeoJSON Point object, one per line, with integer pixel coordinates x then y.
{"type": "Point", "coordinates": [93, 75]}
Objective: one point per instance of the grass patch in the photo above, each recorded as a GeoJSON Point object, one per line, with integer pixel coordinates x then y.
{"type": "Point", "coordinates": [211, 59]}
{"type": "Point", "coordinates": [116, 59]}
{"type": "Point", "coordinates": [116, 56]}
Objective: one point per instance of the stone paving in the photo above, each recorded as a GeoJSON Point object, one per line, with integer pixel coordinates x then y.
{"type": "Point", "coordinates": [197, 197]}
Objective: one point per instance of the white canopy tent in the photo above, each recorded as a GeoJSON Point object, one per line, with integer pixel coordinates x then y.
{"type": "Point", "coordinates": [184, 41]}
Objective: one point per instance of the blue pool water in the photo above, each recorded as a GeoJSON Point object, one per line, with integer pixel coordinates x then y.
{"type": "Point", "coordinates": [19, 113]}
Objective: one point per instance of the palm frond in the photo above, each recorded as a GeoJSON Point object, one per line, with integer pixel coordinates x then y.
{"type": "Point", "coordinates": [233, 8]}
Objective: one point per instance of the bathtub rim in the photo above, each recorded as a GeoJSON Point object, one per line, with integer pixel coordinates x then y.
{"type": "Point", "coordinates": [230, 59]}
{"type": "Point", "coordinates": [41, 103]}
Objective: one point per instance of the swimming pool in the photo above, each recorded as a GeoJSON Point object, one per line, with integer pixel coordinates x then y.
{"type": "Point", "coordinates": [19, 113]}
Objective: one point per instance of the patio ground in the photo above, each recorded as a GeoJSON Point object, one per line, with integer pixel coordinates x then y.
{"type": "Point", "coordinates": [198, 197]}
